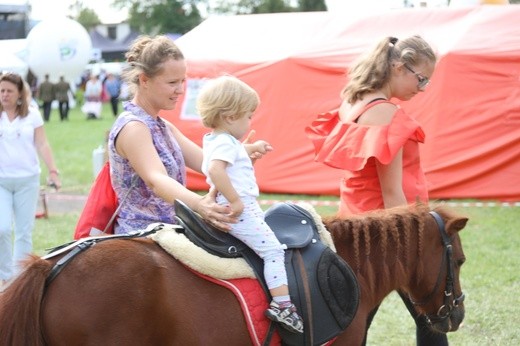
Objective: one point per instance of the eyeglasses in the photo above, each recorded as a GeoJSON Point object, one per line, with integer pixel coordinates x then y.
{"type": "Point", "coordinates": [423, 81]}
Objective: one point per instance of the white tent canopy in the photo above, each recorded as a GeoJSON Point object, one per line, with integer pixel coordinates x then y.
{"type": "Point", "coordinates": [11, 63]}
{"type": "Point", "coordinates": [12, 53]}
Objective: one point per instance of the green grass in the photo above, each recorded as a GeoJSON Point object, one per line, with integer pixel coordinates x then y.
{"type": "Point", "coordinates": [72, 144]}
{"type": "Point", "coordinates": [491, 240]}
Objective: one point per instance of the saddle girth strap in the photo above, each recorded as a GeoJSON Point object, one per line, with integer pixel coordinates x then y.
{"type": "Point", "coordinates": [269, 334]}
{"type": "Point", "coordinates": [65, 260]}
{"type": "Point", "coordinates": [86, 244]}
{"type": "Point", "coordinates": [308, 297]}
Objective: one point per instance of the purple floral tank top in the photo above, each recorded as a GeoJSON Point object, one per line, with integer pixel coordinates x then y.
{"type": "Point", "coordinates": [142, 206]}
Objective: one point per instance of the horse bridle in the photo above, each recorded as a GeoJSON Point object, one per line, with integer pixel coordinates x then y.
{"type": "Point", "coordinates": [446, 309]}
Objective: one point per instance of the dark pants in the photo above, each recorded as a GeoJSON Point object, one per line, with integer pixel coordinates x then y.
{"type": "Point", "coordinates": [64, 110]}
{"type": "Point", "coordinates": [47, 110]}
{"type": "Point", "coordinates": [425, 336]}
{"type": "Point", "coordinates": [114, 102]}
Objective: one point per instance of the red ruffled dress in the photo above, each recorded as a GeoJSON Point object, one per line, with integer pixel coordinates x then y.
{"type": "Point", "coordinates": [354, 148]}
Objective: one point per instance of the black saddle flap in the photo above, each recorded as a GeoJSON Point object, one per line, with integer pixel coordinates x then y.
{"type": "Point", "coordinates": [292, 224]}
{"type": "Point", "coordinates": [321, 284]}
{"type": "Point", "coordinates": [206, 236]}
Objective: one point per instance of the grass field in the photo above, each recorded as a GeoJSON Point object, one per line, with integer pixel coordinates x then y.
{"type": "Point", "coordinates": [491, 240]}
{"type": "Point", "coordinates": [72, 143]}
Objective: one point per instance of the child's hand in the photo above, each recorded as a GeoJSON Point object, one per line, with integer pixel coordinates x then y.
{"type": "Point", "coordinates": [237, 207]}
{"type": "Point", "coordinates": [257, 149]}
{"type": "Point", "coordinates": [261, 147]}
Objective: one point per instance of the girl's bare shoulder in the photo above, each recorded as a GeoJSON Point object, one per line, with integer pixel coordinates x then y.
{"type": "Point", "coordinates": [379, 114]}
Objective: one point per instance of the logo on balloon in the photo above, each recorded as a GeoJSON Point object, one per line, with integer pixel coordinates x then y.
{"type": "Point", "coordinates": [67, 50]}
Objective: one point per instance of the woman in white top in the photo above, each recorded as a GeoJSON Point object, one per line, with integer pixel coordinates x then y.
{"type": "Point", "coordinates": [22, 138]}
{"type": "Point", "coordinates": [93, 92]}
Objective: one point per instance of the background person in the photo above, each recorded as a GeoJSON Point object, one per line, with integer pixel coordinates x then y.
{"type": "Point", "coordinates": [226, 105]}
{"type": "Point", "coordinates": [141, 142]}
{"type": "Point", "coordinates": [376, 142]}
{"type": "Point", "coordinates": [22, 138]}
{"type": "Point", "coordinates": [62, 89]}
{"type": "Point", "coordinates": [46, 95]}
{"type": "Point", "coordinates": [113, 88]}
{"type": "Point", "coordinates": [92, 95]}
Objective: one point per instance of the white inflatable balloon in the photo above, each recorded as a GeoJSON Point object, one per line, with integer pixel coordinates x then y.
{"type": "Point", "coordinates": [58, 47]}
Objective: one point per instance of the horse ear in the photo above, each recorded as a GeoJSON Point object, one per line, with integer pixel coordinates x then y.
{"type": "Point", "coordinates": [456, 224]}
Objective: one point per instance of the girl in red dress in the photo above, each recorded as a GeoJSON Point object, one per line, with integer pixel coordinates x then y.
{"type": "Point", "coordinates": [376, 142]}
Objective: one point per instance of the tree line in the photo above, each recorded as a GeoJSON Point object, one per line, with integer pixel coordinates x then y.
{"type": "Point", "coordinates": [180, 16]}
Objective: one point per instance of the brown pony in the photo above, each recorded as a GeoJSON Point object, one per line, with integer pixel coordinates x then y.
{"type": "Point", "coordinates": [131, 292]}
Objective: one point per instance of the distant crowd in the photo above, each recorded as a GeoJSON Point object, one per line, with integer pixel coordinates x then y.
{"type": "Point", "coordinates": [91, 92]}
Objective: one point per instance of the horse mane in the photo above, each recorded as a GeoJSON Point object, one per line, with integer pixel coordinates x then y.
{"type": "Point", "coordinates": [385, 234]}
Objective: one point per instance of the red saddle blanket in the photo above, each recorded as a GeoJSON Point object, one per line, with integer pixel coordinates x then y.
{"type": "Point", "coordinates": [253, 302]}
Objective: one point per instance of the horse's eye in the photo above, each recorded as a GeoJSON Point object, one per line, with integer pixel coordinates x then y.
{"type": "Point", "coordinates": [461, 262]}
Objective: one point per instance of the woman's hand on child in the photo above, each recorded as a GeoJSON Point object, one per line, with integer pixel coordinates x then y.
{"type": "Point", "coordinates": [219, 216]}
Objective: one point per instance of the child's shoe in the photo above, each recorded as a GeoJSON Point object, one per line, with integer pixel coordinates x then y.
{"type": "Point", "coordinates": [287, 316]}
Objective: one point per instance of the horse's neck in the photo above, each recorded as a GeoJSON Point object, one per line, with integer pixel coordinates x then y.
{"type": "Point", "coordinates": [383, 261]}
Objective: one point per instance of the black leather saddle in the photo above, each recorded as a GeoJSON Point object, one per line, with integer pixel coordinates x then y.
{"type": "Point", "coordinates": [321, 284]}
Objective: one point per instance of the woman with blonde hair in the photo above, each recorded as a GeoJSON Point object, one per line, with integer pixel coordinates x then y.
{"type": "Point", "coordinates": [376, 143]}
{"type": "Point", "coordinates": [142, 143]}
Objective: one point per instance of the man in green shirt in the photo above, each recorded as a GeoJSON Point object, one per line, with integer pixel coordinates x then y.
{"type": "Point", "coordinates": [46, 95]}
{"type": "Point", "coordinates": [62, 95]}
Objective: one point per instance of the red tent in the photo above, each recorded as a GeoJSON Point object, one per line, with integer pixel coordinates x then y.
{"type": "Point", "coordinates": [297, 62]}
